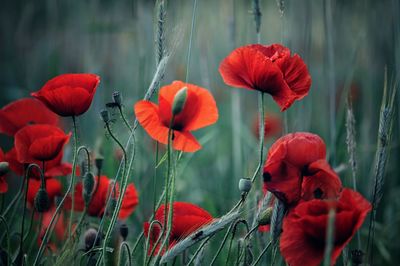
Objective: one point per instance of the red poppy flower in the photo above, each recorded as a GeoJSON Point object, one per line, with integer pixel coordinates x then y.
{"type": "Point", "coordinates": [69, 94]}
{"type": "Point", "coordinates": [53, 168]}
{"type": "Point", "coordinates": [20, 113]}
{"type": "Point", "coordinates": [3, 183]}
{"type": "Point", "coordinates": [272, 126]}
{"type": "Point", "coordinates": [270, 69]}
{"type": "Point", "coordinates": [200, 110]}
{"type": "Point", "coordinates": [288, 157]}
{"type": "Point", "coordinates": [186, 219]}
{"type": "Point", "coordinates": [304, 229]}
{"type": "Point", "coordinates": [99, 199]}
{"type": "Point", "coordinates": [39, 142]}
{"type": "Point", "coordinates": [53, 188]}
{"type": "Point", "coordinates": [320, 182]}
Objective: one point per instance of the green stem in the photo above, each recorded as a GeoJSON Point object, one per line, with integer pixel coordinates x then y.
{"type": "Point", "coordinates": [198, 250]}
{"type": "Point", "coordinates": [49, 229]}
{"type": "Point", "coordinates": [262, 254]}
{"type": "Point", "coordinates": [124, 119]}
{"type": "Point", "coordinates": [7, 231]}
{"type": "Point", "coordinates": [190, 40]}
{"type": "Point", "coordinates": [125, 244]}
{"type": "Point", "coordinates": [147, 258]}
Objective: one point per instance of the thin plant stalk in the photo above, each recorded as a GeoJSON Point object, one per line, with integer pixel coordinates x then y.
{"type": "Point", "coordinates": [261, 254]}
{"type": "Point", "coordinates": [72, 184]}
{"type": "Point", "coordinates": [7, 232]}
{"type": "Point", "coordinates": [190, 40]}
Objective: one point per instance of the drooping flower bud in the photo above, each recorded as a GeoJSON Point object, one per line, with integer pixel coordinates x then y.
{"type": "Point", "coordinates": [123, 230]}
{"type": "Point", "coordinates": [244, 185]}
{"type": "Point", "coordinates": [90, 238]}
{"type": "Point", "coordinates": [179, 101]}
{"type": "Point", "coordinates": [4, 168]}
{"type": "Point", "coordinates": [88, 187]}
{"type": "Point", "coordinates": [357, 257]}
{"type": "Point", "coordinates": [117, 97]}
{"type": "Point", "coordinates": [105, 115]}
{"type": "Point", "coordinates": [265, 216]}
{"type": "Point", "coordinates": [42, 201]}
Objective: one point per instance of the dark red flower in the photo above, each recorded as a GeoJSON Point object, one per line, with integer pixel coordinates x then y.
{"type": "Point", "coordinates": [304, 229]}
{"type": "Point", "coordinates": [20, 113]}
{"type": "Point", "coordinates": [200, 110]}
{"type": "Point", "coordinates": [69, 94]}
{"type": "Point", "coordinates": [272, 126]}
{"type": "Point", "coordinates": [39, 143]}
{"type": "Point", "coordinates": [53, 168]}
{"type": "Point", "coordinates": [98, 202]}
{"type": "Point", "coordinates": [186, 219]}
{"type": "Point", "coordinates": [53, 188]}
{"type": "Point", "coordinates": [270, 69]}
{"type": "Point", "coordinates": [3, 183]}
{"type": "Point", "coordinates": [59, 227]}
{"type": "Point", "coordinates": [287, 159]}
{"type": "Point", "coordinates": [320, 182]}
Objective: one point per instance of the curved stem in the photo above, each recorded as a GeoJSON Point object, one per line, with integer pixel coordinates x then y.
{"type": "Point", "coordinates": [58, 209]}
{"type": "Point", "coordinates": [87, 156]}
{"type": "Point", "coordinates": [3, 220]}
{"type": "Point", "coordinates": [148, 240]}
{"type": "Point", "coordinates": [126, 245]}
{"type": "Point", "coordinates": [124, 119]}
{"type": "Point", "coordinates": [30, 225]}
{"type": "Point", "coordinates": [198, 250]}
{"type": "Point", "coordinates": [262, 254]}
{"type": "Point", "coordinates": [122, 190]}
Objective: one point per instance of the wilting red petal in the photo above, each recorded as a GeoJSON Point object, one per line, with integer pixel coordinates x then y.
{"type": "Point", "coordinates": [304, 229]}
{"type": "Point", "coordinates": [69, 94]}
{"type": "Point", "coordinates": [24, 112]}
{"type": "Point", "coordinates": [287, 159]}
{"type": "Point", "coordinates": [187, 218]}
{"type": "Point", "coordinates": [320, 182]}
{"type": "Point", "coordinates": [39, 143]}
{"type": "Point", "coordinates": [199, 111]}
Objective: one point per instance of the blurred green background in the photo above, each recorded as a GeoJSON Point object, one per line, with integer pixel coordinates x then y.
{"type": "Point", "coordinates": [115, 39]}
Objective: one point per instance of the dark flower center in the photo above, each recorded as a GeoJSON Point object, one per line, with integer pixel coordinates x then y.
{"type": "Point", "coordinates": [267, 177]}
{"type": "Point", "coordinates": [318, 193]}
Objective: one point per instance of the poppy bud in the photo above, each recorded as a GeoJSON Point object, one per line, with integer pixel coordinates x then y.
{"type": "Point", "coordinates": [88, 186]}
{"type": "Point", "coordinates": [105, 115]}
{"type": "Point", "coordinates": [179, 101]}
{"type": "Point", "coordinates": [357, 257]}
{"type": "Point", "coordinates": [117, 97]}
{"type": "Point", "coordinates": [123, 230]}
{"type": "Point", "coordinates": [42, 201]}
{"type": "Point", "coordinates": [90, 238]}
{"type": "Point", "coordinates": [244, 185]}
{"type": "Point", "coordinates": [4, 168]}
{"type": "Point", "coordinates": [265, 216]}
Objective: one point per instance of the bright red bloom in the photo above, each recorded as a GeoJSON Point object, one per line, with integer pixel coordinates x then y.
{"type": "Point", "coordinates": [200, 110]}
{"type": "Point", "coordinates": [272, 126]}
{"type": "Point", "coordinates": [99, 199]}
{"type": "Point", "coordinates": [53, 188]}
{"type": "Point", "coordinates": [3, 183]}
{"type": "Point", "coordinates": [270, 69]}
{"type": "Point", "coordinates": [53, 168]}
{"type": "Point", "coordinates": [186, 219]}
{"type": "Point", "coordinates": [320, 182]}
{"type": "Point", "coordinates": [26, 111]}
{"type": "Point", "coordinates": [69, 94]}
{"type": "Point", "coordinates": [287, 159]}
{"type": "Point", "coordinates": [39, 142]}
{"type": "Point", "coordinates": [304, 229]}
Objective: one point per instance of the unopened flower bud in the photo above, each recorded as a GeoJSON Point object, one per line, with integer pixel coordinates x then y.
{"type": "Point", "coordinates": [105, 115]}
{"type": "Point", "coordinates": [42, 201]}
{"type": "Point", "coordinates": [117, 97]}
{"type": "Point", "coordinates": [4, 168]}
{"type": "Point", "coordinates": [88, 187]}
{"type": "Point", "coordinates": [179, 101]}
{"type": "Point", "coordinates": [264, 218]}
{"type": "Point", "coordinates": [244, 185]}
{"type": "Point", "coordinates": [357, 257]}
{"type": "Point", "coordinates": [90, 238]}
{"type": "Point", "coordinates": [123, 230]}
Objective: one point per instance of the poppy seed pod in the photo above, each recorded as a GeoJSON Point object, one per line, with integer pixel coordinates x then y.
{"type": "Point", "coordinates": [4, 168]}
{"type": "Point", "coordinates": [99, 162]}
{"type": "Point", "coordinates": [123, 230]}
{"type": "Point", "coordinates": [244, 185]}
{"type": "Point", "coordinates": [88, 186]}
{"type": "Point", "coordinates": [265, 216]}
{"type": "Point", "coordinates": [90, 238]}
{"type": "Point", "coordinates": [42, 201]}
{"type": "Point", "coordinates": [117, 97]}
{"type": "Point", "coordinates": [105, 115]}
{"type": "Point", "coordinates": [179, 101]}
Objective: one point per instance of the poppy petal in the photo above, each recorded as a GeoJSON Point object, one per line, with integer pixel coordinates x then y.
{"type": "Point", "coordinates": [185, 141]}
